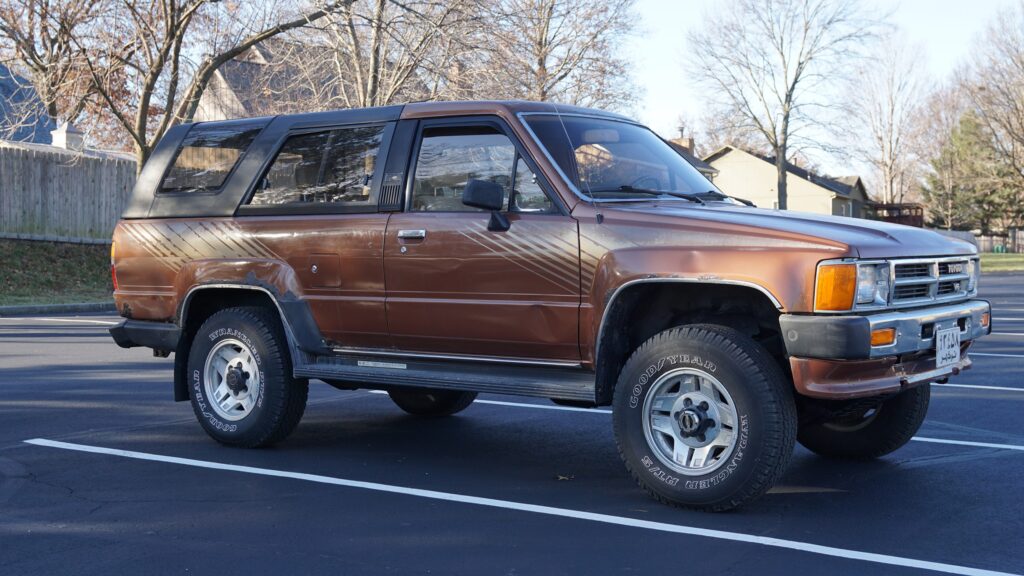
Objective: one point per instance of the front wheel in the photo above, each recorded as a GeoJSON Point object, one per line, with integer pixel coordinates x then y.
{"type": "Point", "coordinates": [703, 418]}
{"type": "Point", "coordinates": [871, 431]}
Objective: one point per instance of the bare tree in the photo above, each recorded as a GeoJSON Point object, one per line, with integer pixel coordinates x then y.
{"type": "Point", "coordinates": [885, 105]}
{"type": "Point", "coordinates": [994, 85]}
{"type": "Point", "coordinates": [772, 64]}
{"type": "Point", "coordinates": [38, 37]}
{"type": "Point", "coordinates": [555, 50]}
{"type": "Point", "coordinates": [139, 69]}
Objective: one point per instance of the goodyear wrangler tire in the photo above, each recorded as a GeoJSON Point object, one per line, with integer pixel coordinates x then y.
{"type": "Point", "coordinates": [240, 378]}
{"type": "Point", "coordinates": [703, 417]}
{"type": "Point", "coordinates": [871, 432]}
{"type": "Point", "coordinates": [431, 402]}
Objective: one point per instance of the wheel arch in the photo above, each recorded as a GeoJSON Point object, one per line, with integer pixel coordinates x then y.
{"type": "Point", "coordinates": [638, 309]}
{"type": "Point", "coordinates": [201, 301]}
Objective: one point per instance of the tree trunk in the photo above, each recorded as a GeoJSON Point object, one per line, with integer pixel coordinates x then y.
{"type": "Point", "coordinates": [782, 168]}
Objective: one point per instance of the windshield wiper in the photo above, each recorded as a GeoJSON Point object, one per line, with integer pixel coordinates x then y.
{"type": "Point", "coordinates": [634, 190]}
{"type": "Point", "coordinates": [723, 196]}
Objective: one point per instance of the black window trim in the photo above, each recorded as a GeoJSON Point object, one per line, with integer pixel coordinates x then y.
{"type": "Point", "coordinates": [468, 122]}
{"type": "Point", "coordinates": [298, 209]}
{"type": "Point", "coordinates": [262, 123]}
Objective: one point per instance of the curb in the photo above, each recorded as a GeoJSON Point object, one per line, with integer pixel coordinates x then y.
{"type": "Point", "coordinates": [58, 308]}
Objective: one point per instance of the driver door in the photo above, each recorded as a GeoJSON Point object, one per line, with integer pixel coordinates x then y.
{"type": "Point", "coordinates": [455, 287]}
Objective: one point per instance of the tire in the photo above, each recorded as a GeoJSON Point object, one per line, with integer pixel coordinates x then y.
{"type": "Point", "coordinates": [741, 417]}
{"type": "Point", "coordinates": [266, 402]}
{"type": "Point", "coordinates": [872, 433]}
{"type": "Point", "coordinates": [430, 401]}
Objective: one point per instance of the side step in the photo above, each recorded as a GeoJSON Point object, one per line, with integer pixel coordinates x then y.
{"type": "Point", "coordinates": [376, 371]}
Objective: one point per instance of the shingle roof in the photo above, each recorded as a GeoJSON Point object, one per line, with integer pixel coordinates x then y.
{"type": "Point", "coordinates": [23, 117]}
{"type": "Point", "coordinates": [701, 166]}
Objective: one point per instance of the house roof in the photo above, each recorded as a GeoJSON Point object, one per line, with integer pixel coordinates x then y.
{"type": "Point", "coordinates": [701, 166]}
{"type": "Point", "coordinates": [843, 185]}
{"type": "Point", "coordinates": [23, 116]}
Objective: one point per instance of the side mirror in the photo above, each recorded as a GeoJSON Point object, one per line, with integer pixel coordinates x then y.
{"type": "Point", "coordinates": [487, 195]}
{"type": "Point", "coordinates": [483, 194]}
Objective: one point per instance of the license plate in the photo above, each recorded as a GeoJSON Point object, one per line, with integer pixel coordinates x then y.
{"type": "Point", "coordinates": [947, 347]}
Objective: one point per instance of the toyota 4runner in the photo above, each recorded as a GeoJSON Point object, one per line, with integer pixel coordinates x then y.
{"type": "Point", "coordinates": [440, 250]}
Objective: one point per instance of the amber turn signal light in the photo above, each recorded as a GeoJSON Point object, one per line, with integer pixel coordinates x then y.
{"type": "Point", "coordinates": [883, 336]}
{"type": "Point", "coordinates": [837, 284]}
{"type": "Point", "coordinates": [986, 319]}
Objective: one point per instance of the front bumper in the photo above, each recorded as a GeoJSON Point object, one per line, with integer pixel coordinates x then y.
{"type": "Point", "coordinates": [832, 356]}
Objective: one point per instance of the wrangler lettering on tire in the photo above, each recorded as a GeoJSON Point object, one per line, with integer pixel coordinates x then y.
{"type": "Point", "coordinates": [242, 389]}
{"type": "Point", "coordinates": [703, 418]}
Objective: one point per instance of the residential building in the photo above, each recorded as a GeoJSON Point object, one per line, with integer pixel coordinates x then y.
{"type": "Point", "coordinates": [753, 177]}
{"type": "Point", "coordinates": [23, 116]}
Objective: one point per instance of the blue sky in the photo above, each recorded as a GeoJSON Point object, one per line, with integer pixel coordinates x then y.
{"type": "Point", "coordinates": [944, 29]}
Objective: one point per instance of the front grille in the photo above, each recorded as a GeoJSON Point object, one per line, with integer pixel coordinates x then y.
{"type": "Point", "coordinates": [929, 280]}
{"type": "Point", "coordinates": [909, 292]}
{"type": "Point", "coordinates": [916, 270]}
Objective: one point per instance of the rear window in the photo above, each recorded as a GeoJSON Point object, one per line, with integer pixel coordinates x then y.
{"type": "Point", "coordinates": [207, 155]}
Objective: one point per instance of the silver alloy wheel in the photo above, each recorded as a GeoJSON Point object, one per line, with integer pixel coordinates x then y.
{"type": "Point", "coordinates": [231, 379]}
{"type": "Point", "coordinates": [689, 421]}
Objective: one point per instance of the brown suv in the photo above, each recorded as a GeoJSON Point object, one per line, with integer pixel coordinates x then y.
{"type": "Point", "coordinates": [438, 250]}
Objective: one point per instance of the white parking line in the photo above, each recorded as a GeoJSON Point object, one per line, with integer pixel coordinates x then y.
{"type": "Point", "coordinates": [980, 387]}
{"type": "Point", "coordinates": [606, 411]}
{"type": "Point", "coordinates": [74, 320]}
{"type": "Point", "coordinates": [973, 353]}
{"type": "Point", "coordinates": [536, 509]}
{"type": "Point", "coordinates": [966, 443]}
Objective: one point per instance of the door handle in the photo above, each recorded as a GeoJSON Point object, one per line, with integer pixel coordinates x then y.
{"type": "Point", "coordinates": [412, 234]}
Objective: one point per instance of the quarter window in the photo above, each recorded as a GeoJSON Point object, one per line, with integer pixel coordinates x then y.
{"type": "Point", "coordinates": [332, 167]}
{"type": "Point", "coordinates": [208, 154]}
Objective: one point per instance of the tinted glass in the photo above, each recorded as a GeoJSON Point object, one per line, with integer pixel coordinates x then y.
{"type": "Point", "coordinates": [207, 156]}
{"type": "Point", "coordinates": [605, 158]}
{"type": "Point", "coordinates": [333, 167]}
{"type": "Point", "coordinates": [449, 159]}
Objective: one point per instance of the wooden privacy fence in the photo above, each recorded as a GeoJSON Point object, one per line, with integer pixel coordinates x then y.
{"type": "Point", "coordinates": [47, 191]}
{"type": "Point", "coordinates": [1013, 242]}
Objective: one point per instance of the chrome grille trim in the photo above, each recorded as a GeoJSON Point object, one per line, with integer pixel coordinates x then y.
{"type": "Point", "coordinates": [929, 280]}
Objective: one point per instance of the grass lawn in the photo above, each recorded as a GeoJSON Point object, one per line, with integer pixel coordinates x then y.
{"type": "Point", "coordinates": [1002, 262]}
{"type": "Point", "coordinates": [50, 273]}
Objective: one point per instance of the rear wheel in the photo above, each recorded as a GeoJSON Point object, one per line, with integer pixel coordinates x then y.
{"type": "Point", "coordinates": [240, 378]}
{"type": "Point", "coordinates": [430, 401]}
{"type": "Point", "coordinates": [703, 418]}
{"type": "Point", "coordinates": [871, 431]}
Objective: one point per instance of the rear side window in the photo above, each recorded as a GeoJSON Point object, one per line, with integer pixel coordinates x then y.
{"type": "Point", "coordinates": [207, 155]}
{"type": "Point", "coordinates": [331, 167]}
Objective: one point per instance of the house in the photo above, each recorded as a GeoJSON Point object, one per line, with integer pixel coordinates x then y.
{"type": "Point", "coordinates": [754, 177]}
{"type": "Point", "coordinates": [684, 146]}
{"type": "Point", "coordinates": [23, 116]}
{"type": "Point", "coordinates": [272, 77]}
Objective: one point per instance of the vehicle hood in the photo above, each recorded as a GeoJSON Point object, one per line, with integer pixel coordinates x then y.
{"type": "Point", "coordinates": [863, 238]}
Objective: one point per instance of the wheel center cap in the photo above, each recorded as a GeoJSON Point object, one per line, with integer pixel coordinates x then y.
{"type": "Point", "coordinates": [690, 421]}
{"type": "Point", "coordinates": [236, 379]}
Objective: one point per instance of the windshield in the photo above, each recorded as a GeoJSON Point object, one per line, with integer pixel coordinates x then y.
{"type": "Point", "coordinates": [607, 159]}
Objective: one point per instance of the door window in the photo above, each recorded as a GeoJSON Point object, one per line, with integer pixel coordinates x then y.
{"type": "Point", "coordinates": [331, 167]}
{"type": "Point", "coordinates": [448, 159]}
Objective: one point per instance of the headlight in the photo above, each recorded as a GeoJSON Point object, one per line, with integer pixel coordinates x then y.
{"type": "Point", "coordinates": [873, 284]}
{"type": "Point", "coordinates": [842, 286]}
{"type": "Point", "coordinates": [973, 271]}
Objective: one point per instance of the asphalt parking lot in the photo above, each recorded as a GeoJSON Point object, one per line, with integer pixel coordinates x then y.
{"type": "Point", "coordinates": [120, 479]}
